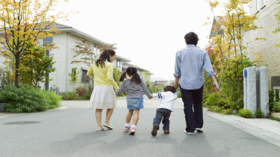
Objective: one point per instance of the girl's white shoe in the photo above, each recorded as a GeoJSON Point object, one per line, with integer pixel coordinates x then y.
{"type": "Point", "coordinates": [108, 126]}
{"type": "Point", "coordinates": [126, 128]}
{"type": "Point", "coordinates": [100, 129]}
{"type": "Point", "coordinates": [132, 131]}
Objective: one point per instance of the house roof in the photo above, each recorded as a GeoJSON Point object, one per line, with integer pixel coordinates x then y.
{"type": "Point", "coordinates": [139, 68]}
{"type": "Point", "coordinates": [158, 79]}
{"type": "Point", "coordinates": [73, 31]}
{"type": "Point", "coordinates": [122, 58]}
{"type": "Point", "coordinates": [216, 18]}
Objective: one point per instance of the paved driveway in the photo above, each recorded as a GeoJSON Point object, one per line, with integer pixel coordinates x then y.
{"type": "Point", "coordinates": [71, 132]}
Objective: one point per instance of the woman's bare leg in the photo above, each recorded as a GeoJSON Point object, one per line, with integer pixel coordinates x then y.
{"type": "Point", "coordinates": [108, 115]}
{"type": "Point", "coordinates": [135, 116]}
{"type": "Point", "coordinates": [128, 116]}
{"type": "Point", "coordinates": [98, 116]}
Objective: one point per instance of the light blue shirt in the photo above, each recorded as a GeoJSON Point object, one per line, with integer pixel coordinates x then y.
{"type": "Point", "coordinates": [189, 66]}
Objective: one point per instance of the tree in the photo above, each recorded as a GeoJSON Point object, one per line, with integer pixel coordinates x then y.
{"type": "Point", "coordinates": [23, 23]}
{"type": "Point", "coordinates": [107, 46]}
{"type": "Point", "coordinates": [84, 54]}
{"type": "Point", "coordinates": [277, 16]}
{"type": "Point", "coordinates": [74, 78]}
{"type": "Point", "coordinates": [35, 68]}
{"type": "Point", "coordinates": [230, 50]}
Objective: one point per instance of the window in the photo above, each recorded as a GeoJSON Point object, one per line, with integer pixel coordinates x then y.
{"type": "Point", "coordinates": [118, 64]}
{"type": "Point", "coordinates": [85, 78]}
{"type": "Point", "coordinates": [263, 3]}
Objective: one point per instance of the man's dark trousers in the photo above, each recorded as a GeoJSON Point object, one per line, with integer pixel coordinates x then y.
{"type": "Point", "coordinates": [164, 115]}
{"type": "Point", "coordinates": [193, 108]}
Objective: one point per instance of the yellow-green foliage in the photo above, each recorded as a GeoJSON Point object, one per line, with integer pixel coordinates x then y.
{"type": "Point", "coordinates": [216, 99]}
{"type": "Point", "coordinates": [245, 113]}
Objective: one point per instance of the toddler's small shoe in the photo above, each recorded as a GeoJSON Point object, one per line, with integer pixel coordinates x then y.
{"type": "Point", "coordinates": [132, 131]}
{"type": "Point", "coordinates": [154, 131]}
{"type": "Point", "coordinates": [126, 128]}
{"type": "Point", "coordinates": [166, 132]}
{"type": "Point", "coordinates": [108, 126]}
{"type": "Point", "coordinates": [100, 129]}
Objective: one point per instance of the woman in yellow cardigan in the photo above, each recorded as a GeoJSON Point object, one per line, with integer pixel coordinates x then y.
{"type": "Point", "coordinates": [103, 95]}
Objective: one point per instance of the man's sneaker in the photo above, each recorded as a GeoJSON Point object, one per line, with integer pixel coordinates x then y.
{"type": "Point", "coordinates": [166, 132]}
{"type": "Point", "coordinates": [108, 126]}
{"type": "Point", "coordinates": [154, 131]}
{"type": "Point", "coordinates": [132, 131]}
{"type": "Point", "coordinates": [126, 128]}
{"type": "Point", "coordinates": [189, 133]}
{"type": "Point", "coordinates": [199, 129]}
{"type": "Point", "coordinates": [100, 129]}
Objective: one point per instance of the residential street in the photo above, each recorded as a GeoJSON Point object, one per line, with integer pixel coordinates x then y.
{"type": "Point", "coordinates": [71, 131]}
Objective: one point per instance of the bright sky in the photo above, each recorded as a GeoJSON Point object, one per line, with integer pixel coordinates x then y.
{"type": "Point", "coordinates": [148, 32]}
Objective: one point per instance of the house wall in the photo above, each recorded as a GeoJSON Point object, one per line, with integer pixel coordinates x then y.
{"type": "Point", "coordinates": [63, 57]}
{"type": "Point", "coordinates": [268, 49]}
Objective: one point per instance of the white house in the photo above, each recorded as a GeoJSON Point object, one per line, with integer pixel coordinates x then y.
{"type": "Point", "coordinates": [159, 81]}
{"type": "Point", "coordinates": [66, 40]}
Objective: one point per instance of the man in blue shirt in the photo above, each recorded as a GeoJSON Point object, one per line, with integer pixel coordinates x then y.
{"type": "Point", "coordinates": [189, 70]}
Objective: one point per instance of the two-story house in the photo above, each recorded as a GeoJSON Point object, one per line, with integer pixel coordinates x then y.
{"type": "Point", "coordinates": [265, 10]}
{"type": "Point", "coordinates": [66, 40]}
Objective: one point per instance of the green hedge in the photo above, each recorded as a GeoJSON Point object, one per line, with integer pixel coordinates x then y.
{"type": "Point", "coordinates": [28, 99]}
{"type": "Point", "coordinates": [245, 113]}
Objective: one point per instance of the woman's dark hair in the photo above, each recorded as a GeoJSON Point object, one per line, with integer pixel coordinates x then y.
{"type": "Point", "coordinates": [105, 55]}
{"type": "Point", "coordinates": [131, 71]}
{"type": "Point", "coordinates": [191, 38]}
{"type": "Point", "coordinates": [170, 88]}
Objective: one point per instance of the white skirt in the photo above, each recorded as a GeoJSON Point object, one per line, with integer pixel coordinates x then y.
{"type": "Point", "coordinates": [103, 97]}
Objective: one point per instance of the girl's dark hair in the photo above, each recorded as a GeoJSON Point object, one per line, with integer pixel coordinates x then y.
{"type": "Point", "coordinates": [191, 38]}
{"type": "Point", "coordinates": [105, 55]}
{"type": "Point", "coordinates": [131, 71]}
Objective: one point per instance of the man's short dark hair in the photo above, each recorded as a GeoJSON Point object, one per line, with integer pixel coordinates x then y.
{"type": "Point", "coordinates": [191, 38]}
{"type": "Point", "coordinates": [170, 88]}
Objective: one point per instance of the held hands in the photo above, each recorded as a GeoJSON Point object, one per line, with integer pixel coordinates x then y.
{"type": "Point", "coordinates": [151, 97]}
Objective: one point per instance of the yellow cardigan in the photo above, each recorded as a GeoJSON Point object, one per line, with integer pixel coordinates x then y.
{"type": "Point", "coordinates": [103, 76]}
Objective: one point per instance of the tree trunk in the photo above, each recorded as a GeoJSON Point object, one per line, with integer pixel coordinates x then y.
{"type": "Point", "coordinates": [17, 71]}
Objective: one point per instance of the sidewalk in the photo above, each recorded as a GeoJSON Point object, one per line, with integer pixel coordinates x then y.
{"type": "Point", "coordinates": [266, 129]}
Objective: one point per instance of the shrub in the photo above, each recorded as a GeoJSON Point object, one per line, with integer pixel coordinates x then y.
{"type": "Point", "coordinates": [81, 91]}
{"type": "Point", "coordinates": [70, 96]}
{"type": "Point", "coordinates": [87, 96]}
{"type": "Point", "coordinates": [121, 95]}
{"type": "Point", "coordinates": [205, 96]}
{"type": "Point", "coordinates": [179, 94]}
{"type": "Point", "coordinates": [229, 111]}
{"type": "Point", "coordinates": [216, 99]}
{"type": "Point", "coordinates": [275, 107]}
{"type": "Point", "coordinates": [259, 113]}
{"type": "Point", "coordinates": [241, 112]}
{"type": "Point", "coordinates": [245, 113]}
{"type": "Point", "coordinates": [28, 99]}
{"type": "Point", "coordinates": [214, 108]}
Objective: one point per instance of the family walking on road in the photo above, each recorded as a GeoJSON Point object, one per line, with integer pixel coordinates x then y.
{"type": "Point", "coordinates": [189, 71]}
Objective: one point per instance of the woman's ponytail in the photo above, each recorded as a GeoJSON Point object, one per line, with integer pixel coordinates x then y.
{"type": "Point", "coordinates": [123, 76]}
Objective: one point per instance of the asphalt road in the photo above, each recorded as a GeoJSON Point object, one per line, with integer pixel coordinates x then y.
{"type": "Point", "coordinates": [72, 132]}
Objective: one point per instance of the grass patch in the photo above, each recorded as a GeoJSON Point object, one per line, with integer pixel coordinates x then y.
{"type": "Point", "coordinates": [273, 118]}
